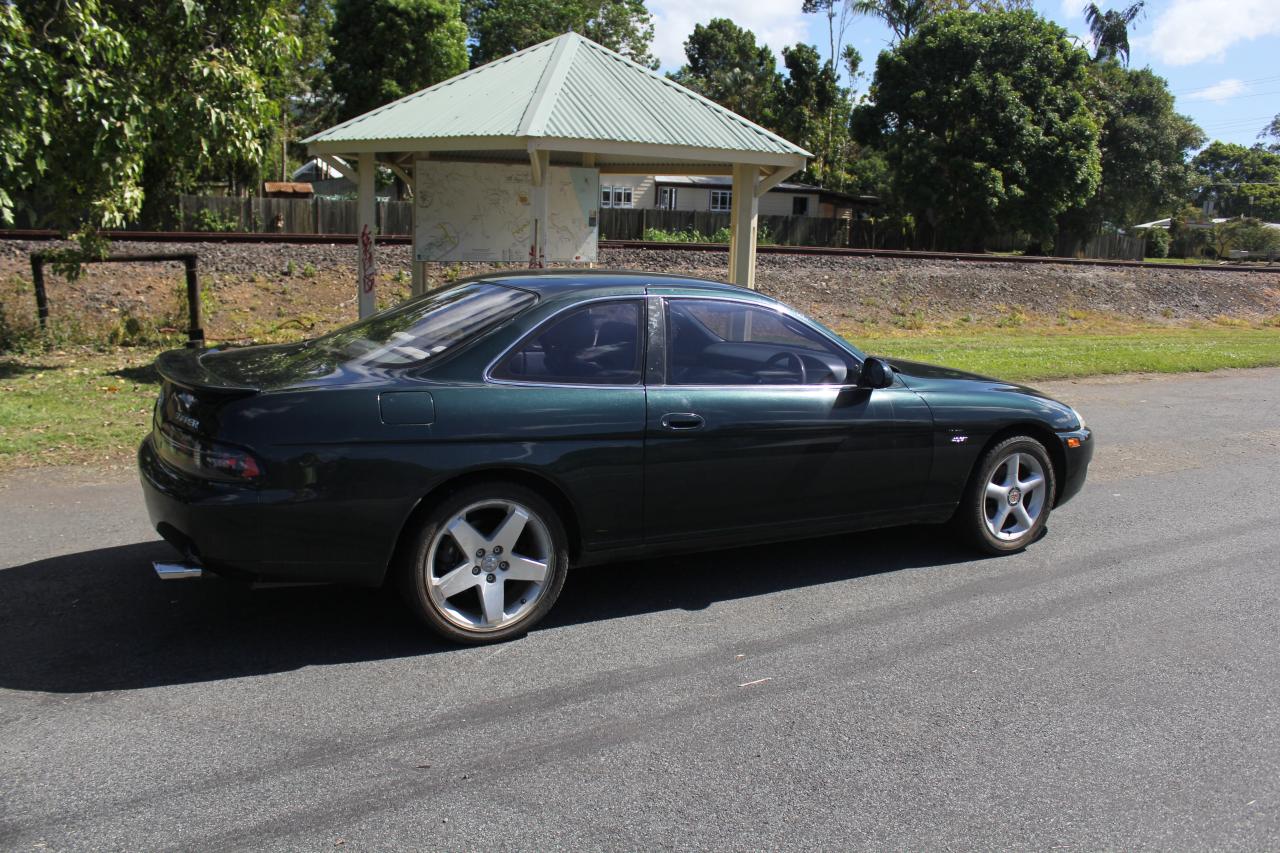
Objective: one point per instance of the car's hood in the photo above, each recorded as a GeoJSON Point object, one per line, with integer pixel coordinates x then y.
{"type": "Point", "coordinates": [934, 382]}
{"type": "Point", "coordinates": [917, 374]}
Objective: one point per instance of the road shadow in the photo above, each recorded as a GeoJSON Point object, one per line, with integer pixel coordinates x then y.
{"type": "Point", "coordinates": [100, 620]}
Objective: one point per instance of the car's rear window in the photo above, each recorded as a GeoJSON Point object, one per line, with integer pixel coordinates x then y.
{"type": "Point", "coordinates": [426, 327]}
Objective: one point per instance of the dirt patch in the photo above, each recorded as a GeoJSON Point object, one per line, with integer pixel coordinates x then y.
{"type": "Point", "coordinates": [262, 291]}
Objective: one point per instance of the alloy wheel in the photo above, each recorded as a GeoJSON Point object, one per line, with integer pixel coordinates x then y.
{"type": "Point", "coordinates": [488, 565]}
{"type": "Point", "coordinates": [1015, 496]}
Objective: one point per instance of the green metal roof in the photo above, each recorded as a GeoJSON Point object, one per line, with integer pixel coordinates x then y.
{"type": "Point", "coordinates": [568, 88]}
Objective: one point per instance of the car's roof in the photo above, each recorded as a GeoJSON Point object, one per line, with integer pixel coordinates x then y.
{"type": "Point", "coordinates": [561, 282]}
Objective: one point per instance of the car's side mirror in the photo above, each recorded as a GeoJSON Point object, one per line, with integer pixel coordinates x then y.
{"type": "Point", "coordinates": [875, 374]}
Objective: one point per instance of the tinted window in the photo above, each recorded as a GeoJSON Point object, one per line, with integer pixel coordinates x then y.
{"type": "Point", "coordinates": [425, 327]}
{"type": "Point", "coordinates": [712, 342]}
{"type": "Point", "coordinates": [594, 345]}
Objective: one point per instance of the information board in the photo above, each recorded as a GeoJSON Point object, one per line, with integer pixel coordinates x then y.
{"type": "Point", "coordinates": [484, 212]}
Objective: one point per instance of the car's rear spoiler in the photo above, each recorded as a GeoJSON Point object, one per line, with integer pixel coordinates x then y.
{"type": "Point", "coordinates": [184, 367]}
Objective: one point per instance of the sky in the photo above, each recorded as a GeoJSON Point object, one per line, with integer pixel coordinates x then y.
{"type": "Point", "coordinates": [1221, 57]}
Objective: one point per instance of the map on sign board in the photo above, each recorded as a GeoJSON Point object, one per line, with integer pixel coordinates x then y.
{"type": "Point", "coordinates": [484, 212]}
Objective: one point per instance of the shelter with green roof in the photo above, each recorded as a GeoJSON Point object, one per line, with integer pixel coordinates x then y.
{"type": "Point", "coordinates": [567, 102]}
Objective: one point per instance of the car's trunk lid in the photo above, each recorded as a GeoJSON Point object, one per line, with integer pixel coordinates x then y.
{"type": "Point", "coordinates": [187, 368]}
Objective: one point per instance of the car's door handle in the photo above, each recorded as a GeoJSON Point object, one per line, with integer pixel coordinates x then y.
{"type": "Point", "coordinates": [682, 420]}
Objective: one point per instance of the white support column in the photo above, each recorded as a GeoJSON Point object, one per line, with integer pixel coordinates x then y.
{"type": "Point", "coordinates": [540, 162]}
{"type": "Point", "coordinates": [367, 229]}
{"type": "Point", "coordinates": [743, 220]}
{"type": "Point", "coordinates": [419, 268]}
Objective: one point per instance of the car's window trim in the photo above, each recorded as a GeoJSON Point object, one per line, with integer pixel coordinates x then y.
{"type": "Point", "coordinates": [547, 322]}
{"type": "Point", "coordinates": [655, 363]}
{"type": "Point", "coordinates": [776, 309]}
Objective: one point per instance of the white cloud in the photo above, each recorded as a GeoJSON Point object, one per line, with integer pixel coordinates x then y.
{"type": "Point", "coordinates": [1219, 91]}
{"type": "Point", "coordinates": [1190, 31]}
{"type": "Point", "coordinates": [776, 24]}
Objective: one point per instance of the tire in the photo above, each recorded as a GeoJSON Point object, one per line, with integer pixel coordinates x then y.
{"type": "Point", "coordinates": [487, 563]}
{"type": "Point", "coordinates": [1001, 512]}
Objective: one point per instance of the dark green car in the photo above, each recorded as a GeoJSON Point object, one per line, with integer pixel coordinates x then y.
{"type": "Point", "coordinates": [475, 442]}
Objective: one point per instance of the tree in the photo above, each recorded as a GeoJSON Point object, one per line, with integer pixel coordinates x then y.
{"type": "Point", "coordinates": [1272, 131]}
{"type": "Point", "coordinates": [1144, 144]}
{"type": "Point", "coordinates": [215, 74]}
{"type": "Point", "coordinates": [1110, 30]}
{"type": "Point", "coordinates": [386, 49]}
{"type": "Point", "coordinates": [726, 65]}
{"type": "Point", "coordinates": [110, 103]}
{"type": "Point", "coordinates": [501, 27]}
{"type": "Point", "coordinates": [902, 17]}
{"type": "Point", "coordinates": [806, 99]}
{"type": "Point", "coordinates": [985, 126]}
{"type": "Point", "coordinates": [1239, 181]}
{"type": "Point", "coordinates": [310, 96]}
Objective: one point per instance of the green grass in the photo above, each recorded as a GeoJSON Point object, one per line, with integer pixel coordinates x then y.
{"type": "Point", "coordinates": [72, 408]}
{"type": "Point", "coordinates": [89, 407]}
{"type": "Point", "coordinates": [1028, 354]}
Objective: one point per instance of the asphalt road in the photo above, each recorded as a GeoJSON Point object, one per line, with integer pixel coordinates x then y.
{"type": "Point", "coordinates": [1117, 685]}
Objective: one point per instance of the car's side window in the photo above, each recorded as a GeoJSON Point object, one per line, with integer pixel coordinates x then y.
{"type": "Point", "coordinates": [717, 342]}
{"type": "Point", "coordinates": [597, 344]}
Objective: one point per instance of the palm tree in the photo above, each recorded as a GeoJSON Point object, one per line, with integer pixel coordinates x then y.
{"type": "Point", "coordinates": [1110, 30]}
{"type": "Point", "coordinates": [902, 16]}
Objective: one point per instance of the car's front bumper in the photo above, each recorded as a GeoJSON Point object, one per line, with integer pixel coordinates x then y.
{"type": "Point", "coordinates": [1077, 453]}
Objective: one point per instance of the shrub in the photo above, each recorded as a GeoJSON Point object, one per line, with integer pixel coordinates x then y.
{"type": "Point", "coordinates": [657, 235]}
{"type": "Point", "coordinates": [211, 220]}
{"type": "Point", "coordinates": [1157, 242]}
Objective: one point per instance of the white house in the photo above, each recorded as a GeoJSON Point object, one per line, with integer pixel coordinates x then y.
{"type": "Point", "coordinates": [715, 194]}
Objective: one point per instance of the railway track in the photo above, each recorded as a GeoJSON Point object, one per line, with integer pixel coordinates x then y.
{"type": "Point", "coordinates": [404, 239]}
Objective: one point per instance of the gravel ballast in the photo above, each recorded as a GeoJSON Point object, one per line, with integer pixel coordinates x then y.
{"type": "Point", "coordinates": [273, 280]}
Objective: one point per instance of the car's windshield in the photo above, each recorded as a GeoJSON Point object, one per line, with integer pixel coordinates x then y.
{"type": "Point", "coordinates": [426, 327]}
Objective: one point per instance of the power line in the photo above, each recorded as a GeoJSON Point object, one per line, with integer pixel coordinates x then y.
{"type": "Point", "coordinates": [1236, 97]}
{"type": "Point", "coordinates": [1216, 85]}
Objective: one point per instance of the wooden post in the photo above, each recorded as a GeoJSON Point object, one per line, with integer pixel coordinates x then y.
{"type": "Point", "coordinates": [367, 228]}
{"type": "Point", "coordinates": [195, 334]}
{"type": "Point", "coordinates": [541, 164]}
{"type": "Point", "coordinates": [42, 298]}
{"type": "Point", "coordinates": [743, 220]}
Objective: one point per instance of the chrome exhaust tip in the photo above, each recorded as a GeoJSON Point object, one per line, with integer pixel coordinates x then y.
{"type": "Point", "coordinates": [177, 571]}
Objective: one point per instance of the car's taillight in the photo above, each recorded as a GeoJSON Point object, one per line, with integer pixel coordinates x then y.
{"type": "Point", "coordinates": [205, 457]}
{"type": "Point", "coordinates": [234, 463]}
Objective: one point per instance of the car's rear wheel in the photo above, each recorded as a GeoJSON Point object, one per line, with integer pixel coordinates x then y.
{"type": "Point", "coordinates": [1008, 500]}
{"type": "Point", "coordinates": [488, 563]}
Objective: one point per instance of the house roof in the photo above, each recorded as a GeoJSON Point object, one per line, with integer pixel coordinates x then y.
{"type": "Point", "coordinates": [716, 182]}
{"type": "Point", "coordinates": [571, 94]}
{"type": "Point", "coordinates": [1217, 220]}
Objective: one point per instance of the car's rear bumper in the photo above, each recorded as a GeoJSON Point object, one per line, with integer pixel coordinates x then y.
{"type": "Point", "coordinates": [242, 531]}
{"type": "Point", "coordinates": [1077, 450]}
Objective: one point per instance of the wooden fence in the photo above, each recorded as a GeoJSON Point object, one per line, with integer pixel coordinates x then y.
{"type": "Point", "coordinates": [632, 223]}
{"type": "Point", "coordinates": [338, 216]}
{"type": "Point", "coordinates": [1109, 245]}
{"type": "Point", "coordinates": [288, 215]}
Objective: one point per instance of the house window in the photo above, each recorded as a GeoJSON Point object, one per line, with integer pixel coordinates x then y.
{"type": "Point", "coordinates": [666, 198]}
{"type": "Point", "coordinates": [615, 196]}
{"type": "Point", "coordinates": [800, 205]}
{"type": "Point", "coordinates": [721, 200]}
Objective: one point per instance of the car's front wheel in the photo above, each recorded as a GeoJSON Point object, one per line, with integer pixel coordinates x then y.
{"type": "Point", "coordinates": [1008, 500]}
{"type": "Point", "coordinates": [488, 563]}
